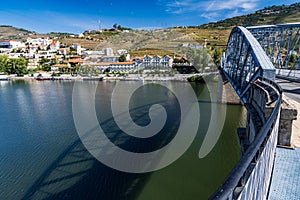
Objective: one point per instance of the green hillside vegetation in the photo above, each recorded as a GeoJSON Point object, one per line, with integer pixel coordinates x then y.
{"type": "Point", "coordinates": [150, 52]}
{"type": "Point", "coordinates": [269, 15]}
{"type": "Point", "coordinates": [142, 42]}
{"type": "Point", "coordinates": [91, 40]}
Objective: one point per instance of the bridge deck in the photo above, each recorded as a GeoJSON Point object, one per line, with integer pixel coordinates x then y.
{"type": "Point", "coordinates": [285, 183]}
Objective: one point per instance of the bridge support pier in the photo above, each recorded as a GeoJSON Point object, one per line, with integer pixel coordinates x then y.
{"type": "Point", "coordinates": [226, 93]}
{"type": "Point", "coordinates": [288, 114]}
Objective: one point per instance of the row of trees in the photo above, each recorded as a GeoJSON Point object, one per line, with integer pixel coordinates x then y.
{"type": "Point", "coordinates": [120, 28]}
{"type": "Point", "coordinates": [13, 65]}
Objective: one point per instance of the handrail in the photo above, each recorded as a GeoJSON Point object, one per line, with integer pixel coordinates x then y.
{"type": "Point", "coordinates": [243, 63]}
{"type": "Point", "coordinates": [228, 187]}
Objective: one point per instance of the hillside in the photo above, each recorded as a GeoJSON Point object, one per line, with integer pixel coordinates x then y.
{"type": "Point", "coordinates": [269, 15]}
{"type": "Point", "coordinates": [216, 34]}
{"type": "Point", "coordinates": [140, 42]}
{"type": "Point", "coordinates": [12, 33]}
{"type": "Point", "coordinates": [165, 41]}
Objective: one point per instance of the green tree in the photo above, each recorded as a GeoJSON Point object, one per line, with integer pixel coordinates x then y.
{"type": "Point", "coordinates": [44, 61]}
{"type": "Point", "coordinates": [55, 61]}
{"type": "Point", "coordinates": [3, 63]}
{"type": "Point", "coordinates": [292, 61]}
{"type": "Point", "coordinates": [115, 26]}
{"type": "Point", "coordinates": [73, 51]}
{"type": "Point", "coordinates": [293, 58]}
{"type": "Point", "coordinates": [216, 56]}
{"type": "Point", "coordinates": [199, 58]}
{"type": "Point", "coordinates": [122, 58]}
{"type": "Point", "coordinates": [17, 66]}
{"type": "Point", "coordinates": [46, 67]}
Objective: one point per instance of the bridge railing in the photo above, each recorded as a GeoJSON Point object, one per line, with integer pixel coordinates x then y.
{"type": "Point", "coordinates": [280, 42]}
{"type": "Point", "coordinates": [251, 73]}
{"type": "Point", "coordinates": [244, 61]}
{"type": "Point", "coordinates": [251, 177]}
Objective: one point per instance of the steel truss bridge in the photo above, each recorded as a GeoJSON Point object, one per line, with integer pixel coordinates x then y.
{"type": "Point", "coordinates": [249, 65]}
{"type": "Point", "coordinates": [280, 42]}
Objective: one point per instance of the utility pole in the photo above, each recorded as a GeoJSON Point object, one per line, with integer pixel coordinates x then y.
{"type": "Point", "coordinates": [99, 24]}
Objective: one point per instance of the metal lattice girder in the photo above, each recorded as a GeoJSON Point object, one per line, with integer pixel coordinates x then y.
{"type": "Point", "coordinates": [280, 42]}
{"type": "Point", "coordinates": [244, 61]}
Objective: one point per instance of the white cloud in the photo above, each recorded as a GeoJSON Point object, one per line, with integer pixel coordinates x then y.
{"type": "Point", "coordinates": [232, 5]}
{"type": "Point", "coordinates": [212, 10]}
{"type": "Point", "coordinates": [234, 13]}
{"type": "Point", "coordinates": [212, 16]}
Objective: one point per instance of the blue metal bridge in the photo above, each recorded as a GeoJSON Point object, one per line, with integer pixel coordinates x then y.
{"type": "Point", "coordinates": [249, 65]}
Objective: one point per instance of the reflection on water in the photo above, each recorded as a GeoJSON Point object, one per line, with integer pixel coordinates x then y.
{"type": "Point", "coordinates": [41, 156]}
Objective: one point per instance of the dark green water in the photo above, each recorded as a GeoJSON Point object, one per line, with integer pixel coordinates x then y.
{"type": "Point", "coordinates": [42, 157]}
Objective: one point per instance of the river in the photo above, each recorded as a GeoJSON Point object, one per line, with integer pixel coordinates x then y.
{"type": "Point", "coordinates": [42, 156]}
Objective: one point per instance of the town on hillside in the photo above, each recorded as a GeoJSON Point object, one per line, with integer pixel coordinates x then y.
{"type": "Point", "coordinates": [46, 58]}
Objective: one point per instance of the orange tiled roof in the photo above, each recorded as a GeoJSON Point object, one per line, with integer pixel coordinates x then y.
{"type": "Point", "coordinates": [99, 64]}
{"type": "Point", "coordinates": [77, 61]}
{"type": "Point", "coordinates": [60, 65]}
{"type": "Point", "coordinates": [122, 63]}
{"type": "Point", "coordinates": [54, 42]}
{"type": "Point", "coordinates": [110, 63]}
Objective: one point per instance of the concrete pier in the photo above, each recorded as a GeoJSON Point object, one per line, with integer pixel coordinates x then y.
{"type": "Point", "coordinates": [226, 93]}
{"type": "Point", "coordinates": [287, 117]}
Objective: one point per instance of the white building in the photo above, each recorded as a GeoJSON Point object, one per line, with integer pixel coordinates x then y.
{"type": "Point", "coordinates": [122, 66]}
{"type": "Point", "coordinates": [54, 46]}
{"type": "Point", "coordinates": [113, 66]}
{"type": "Point", "coordinates": [78, 49]}
{"type": "Point", "coordinates": [157, 61]}
{"type": "Point", "coordinates": [108, 52]}
{"type": "Point", "coordinates": [59, 67]}
{"type": "Point", "coordinates": [110, 59]}
{"type": "Point", "coordinates": [12, 44]}
{"type": "Point", "coordinates": [94, 56]}
{"type": "Point", "coordinates": [147, 61]}
{"type": "Point", "coordinates": [39, 41]}
{"type": "Point", "coordinates": [166, 61]}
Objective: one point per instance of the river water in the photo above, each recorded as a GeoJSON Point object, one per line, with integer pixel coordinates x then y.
{"type": "Point", "coordinates": [42, 156]}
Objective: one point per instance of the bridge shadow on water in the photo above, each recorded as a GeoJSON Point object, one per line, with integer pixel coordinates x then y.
{"type": "Point", "coordinates": [76, 174]}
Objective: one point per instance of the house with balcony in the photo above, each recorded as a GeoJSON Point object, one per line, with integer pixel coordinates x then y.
{"type": "Point", "coordinates": [147, 61]}
{"type": "Point", "coordinates": [166, 61]}
{"type": "Point", "coordinates": [157, 61]}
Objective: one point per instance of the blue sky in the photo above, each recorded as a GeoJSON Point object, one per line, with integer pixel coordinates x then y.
{"type": "Point", "coordinates": [76, 16]}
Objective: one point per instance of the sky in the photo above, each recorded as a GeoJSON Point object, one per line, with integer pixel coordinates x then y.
{"type": "Point", "coordinates": [76, 16]}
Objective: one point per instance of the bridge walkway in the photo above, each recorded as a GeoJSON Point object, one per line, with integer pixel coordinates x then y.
{"type": "Point", "coordinates": [285, 184]}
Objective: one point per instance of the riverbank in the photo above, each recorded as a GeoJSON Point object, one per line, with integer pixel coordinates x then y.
{"type": "Point", "coordinates": [112, 78]}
